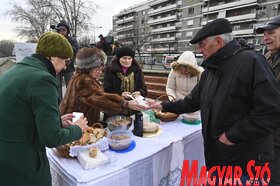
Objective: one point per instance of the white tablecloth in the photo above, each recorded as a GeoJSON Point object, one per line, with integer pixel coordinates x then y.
{"type": "Point", "coordinates": [154, 161]}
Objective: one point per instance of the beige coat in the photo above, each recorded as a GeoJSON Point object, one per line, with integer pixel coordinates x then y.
{"type": "Point", "coordinates": [179, 86]}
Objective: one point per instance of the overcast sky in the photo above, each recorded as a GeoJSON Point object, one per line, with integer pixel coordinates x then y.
{"type": "Point", "coordinates": [102, 17]}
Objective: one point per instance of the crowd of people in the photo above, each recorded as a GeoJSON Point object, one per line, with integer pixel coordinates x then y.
{"type": "Point", "coordinates": [236, 90]}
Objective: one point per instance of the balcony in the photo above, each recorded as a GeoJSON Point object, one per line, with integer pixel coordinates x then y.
{"type": "Point", "coordinates": [127, 42]}
{"type": "Point", "coordinates": [123, 36]}
{"type": "Point", "coordinates": [241, 33]}
{"type": "Point", "coordinates": [128, 19]}
{"type": "Point", "coordinates": [157, 2]}
{"type": "Point", "coordinates": [162, 9]}
{"type": "Point", "coordinates": [165, 29]}
{"type": "Point", "coordinates": [124, 28]}
{"type": "Point", "coordinates": [233, 5]}
{"type": "Point", "coordinates": [160, 49]}
{"type": "Point", "coordinates": [162, 20]}
{"type": "Point", "coordinates": [165, 39]}
{"type": "Point", "coordinates": [242, 18]}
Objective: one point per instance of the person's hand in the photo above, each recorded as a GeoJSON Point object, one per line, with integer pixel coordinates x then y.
{"type": "Point", "coordinates": [67, 120]}
{"type": "Point", "coordinates": [223, 139]}
{"type": "Point", "coordinates": [82, 123]}
{"type": "Point", "coordinates": [154, 104]}
{"type": "Point", "coordinates": [134, 105]}
{"type": "Point", "coordinates": [126, 95]}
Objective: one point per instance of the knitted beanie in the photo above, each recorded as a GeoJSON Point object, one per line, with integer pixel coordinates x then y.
{"type": "Point", "coordinates": [63, 24]}
{"type": "Point", "coordinates": [89, 58]}
{"type": "Point", "coordinates": [52, 44]}
{"type": "Point", "coordinates": [125, 51]}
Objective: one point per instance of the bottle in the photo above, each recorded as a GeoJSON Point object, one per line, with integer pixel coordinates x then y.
{"type": "Point", "coordinates": [138, 124]}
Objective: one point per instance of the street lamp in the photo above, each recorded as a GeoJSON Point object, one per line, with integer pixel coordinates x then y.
{"type": "Point", "coordinates": [95, 27]}
{"type": "Point", "coordinates": [262, 12]}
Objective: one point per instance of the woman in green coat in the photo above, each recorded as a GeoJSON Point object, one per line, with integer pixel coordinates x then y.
{"type": "Point", "coordinates": [29, 114]}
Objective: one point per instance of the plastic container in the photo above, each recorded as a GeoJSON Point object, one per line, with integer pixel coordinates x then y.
{"type": "Point", "coordinates": [119, 139]}
{"type": "Point", "coordinates": [118, 123]}
{"type": "Point", "coordinates": [191, 118]}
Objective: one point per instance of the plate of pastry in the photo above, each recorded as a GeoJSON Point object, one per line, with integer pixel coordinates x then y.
{"type": "Point", "coordinates": [151, 129]}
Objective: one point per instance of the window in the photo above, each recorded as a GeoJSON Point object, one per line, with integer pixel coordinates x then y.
{"type": "Point", "coordinates": [236, 27]}
{"type": "Point", "coordinates": [178, 35]}
{"type": "Point", "coordinates": [189, 34]}
{"type": "Point", "coordinates": [190, 11]}
{"type": "Point", "coordinates": [190, 22]}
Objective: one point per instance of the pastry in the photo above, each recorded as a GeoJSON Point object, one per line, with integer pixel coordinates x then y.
{"type": "Point", "coordinates": [150, 127]}
{"type": "Point", "coordinates": [93, 152]}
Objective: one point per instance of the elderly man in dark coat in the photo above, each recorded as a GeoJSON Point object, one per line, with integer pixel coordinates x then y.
{"type": "Point", "coordinates": [239, 100]}
{"type": "Point", "coordinates": [271, 32]}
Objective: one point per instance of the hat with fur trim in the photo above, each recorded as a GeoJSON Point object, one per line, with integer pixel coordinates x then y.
{"type": "Point", "coordinates": [52, 44]}
{"type": "Point", "coordinates": [187, 59]}
{"type": "Point", "coordinates": [89, 58]}
{"type": "Point", "coordinates": [125, 51]}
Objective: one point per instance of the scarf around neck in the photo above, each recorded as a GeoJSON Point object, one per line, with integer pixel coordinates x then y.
{"type": "Point", "coordinates": [127, 82]}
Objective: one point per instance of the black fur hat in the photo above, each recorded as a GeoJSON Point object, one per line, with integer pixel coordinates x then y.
{"type": "Point", "coordinates": [125, 51]}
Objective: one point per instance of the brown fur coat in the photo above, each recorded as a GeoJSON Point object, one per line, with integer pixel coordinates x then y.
{"type": "Point", "coordinates": [85, 94]}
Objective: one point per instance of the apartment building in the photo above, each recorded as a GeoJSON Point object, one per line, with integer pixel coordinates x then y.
{"type": "Point", "coordinates": [167, 26]}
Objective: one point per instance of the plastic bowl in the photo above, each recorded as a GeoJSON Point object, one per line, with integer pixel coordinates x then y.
{"type": "Point", "coordinates": [118, 123]}
{"type": "Point", "coordinates": [191, 118]}
{"type": "Point", "coordinates": [120, 139]}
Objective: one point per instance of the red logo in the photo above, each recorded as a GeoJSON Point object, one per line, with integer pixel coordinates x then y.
{"type": "Point", "coordinates": [224, 175]}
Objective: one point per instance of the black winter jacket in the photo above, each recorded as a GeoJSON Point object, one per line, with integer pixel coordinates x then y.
{"type": "Point", "coordinates": [112, 83]}
{"type": "Point", "coordinates": [238, 95]}
{"type": "Point", "coordinates": [75, 47]}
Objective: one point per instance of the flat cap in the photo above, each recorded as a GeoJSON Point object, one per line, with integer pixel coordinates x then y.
{"type": "Point", "coordinates": [275, 23]}
{"type": "Point", "coordinates": [216, 27]}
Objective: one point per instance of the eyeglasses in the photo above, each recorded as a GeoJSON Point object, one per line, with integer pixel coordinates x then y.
{"type": "Point", "coordinates": [99, 69]}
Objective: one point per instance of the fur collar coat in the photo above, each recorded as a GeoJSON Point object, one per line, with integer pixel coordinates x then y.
{"type": "Point", "coordinates": [112, 83]}
{"type": "Point", "coordinates": [85, 94]}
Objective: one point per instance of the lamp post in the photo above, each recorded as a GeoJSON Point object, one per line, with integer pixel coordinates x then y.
{"type": "Point", "coordinates": [95, 27]}
{"type": "Point", "coordinates": [268, 18]}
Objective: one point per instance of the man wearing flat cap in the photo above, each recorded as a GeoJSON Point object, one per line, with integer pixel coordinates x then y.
{"type": "Point", "coordinates": [239, 100]}
{"type": "Point", "coordinates": [271, 39]}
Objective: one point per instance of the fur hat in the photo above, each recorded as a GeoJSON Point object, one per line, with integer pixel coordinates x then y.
{"type": "Point", "coordinates": [55, 45]}
{"type": "Point", "coordinates": [89, 58]}
{"type": "Point", "coordinates": [216, 27]}
{"type": "Point", "coordinates": [187, 59]}
{"type": "Point", "coordinates": [125, 51]}
{"type": "Point", "coordinates": [63, 25]}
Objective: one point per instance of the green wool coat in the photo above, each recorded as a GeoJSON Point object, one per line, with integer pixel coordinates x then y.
{"type": "Point", "coordinates": [29, 122]}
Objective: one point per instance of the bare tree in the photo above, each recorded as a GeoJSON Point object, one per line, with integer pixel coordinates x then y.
{"type": "Point", "coordinates": [6, 48]}
{"type": "Point", "coordinates": [85, 41]}
{"type": "Point", "coordinates": [37, 15]}
{"type": "Point", "coordinates": [139, 36]}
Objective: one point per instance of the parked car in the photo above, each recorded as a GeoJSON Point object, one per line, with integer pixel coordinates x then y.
{"type": "Point", "coordinates": [168, 60]}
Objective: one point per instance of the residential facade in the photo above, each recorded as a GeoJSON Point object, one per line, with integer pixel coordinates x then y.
{"type": "Point", "coordinates": [167, 26]}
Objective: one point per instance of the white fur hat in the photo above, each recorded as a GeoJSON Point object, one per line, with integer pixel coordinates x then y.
{"type": "Point", "coordinates": [188, 59]}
